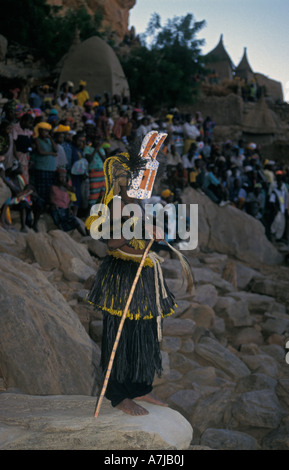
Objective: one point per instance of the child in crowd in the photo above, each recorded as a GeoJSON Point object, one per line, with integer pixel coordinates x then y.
{"type": "Point", "coordinates": [60, 204]}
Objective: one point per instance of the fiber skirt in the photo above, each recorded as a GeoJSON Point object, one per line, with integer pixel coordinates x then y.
{"type": "Point", "coordinates": [138, 356]}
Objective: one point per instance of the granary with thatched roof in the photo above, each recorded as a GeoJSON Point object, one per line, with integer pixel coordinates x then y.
{"type": "Point", "coordinates": [96, 63]}
{"type": "Point", "coordinates": [219, 62]}
{"type": "Point", "coordinates": [243, 69]}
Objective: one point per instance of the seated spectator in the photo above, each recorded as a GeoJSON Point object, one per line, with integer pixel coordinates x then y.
{"type": "Point", "coordinates": [212, 187]}
{"type": "Point", "coordinates": [173, 157]}
{"type": "Point", "coordinates": [23, 197]}
{"type": "Point", "coordinates": [242, 196]}
{"type": "Point", "coordinates": [180, 177]}
{"type": "Point", "coordinates": [88, 113]}
{"type": "Point", "coordinates": [60, 201]}
{"type": "Point", "coordinates": [63, 100]}
{"type": "Point", "coordinates": [193, 174]}
{"type": "Point", "coordinates": [188, 159]}
{"type": "Point", "coordinates": [255, 202]}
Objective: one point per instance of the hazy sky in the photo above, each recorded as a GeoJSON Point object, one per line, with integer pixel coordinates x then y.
{"type": "Point", "coordinates": [260, 25]}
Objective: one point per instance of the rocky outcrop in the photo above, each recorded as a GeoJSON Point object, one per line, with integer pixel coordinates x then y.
{"type": "Point", "coordinates": [115, 12]}
{"type": "Point", "coordinates": [44, 347]}
{"type": "Point", "coordinates": [231, 231]}
{"type": "Point", "coordinates": [224, 367]}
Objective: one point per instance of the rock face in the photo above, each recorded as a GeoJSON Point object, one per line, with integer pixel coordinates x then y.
{"type": "Point", "coordinates": [231, 231]}
{"type": "Point", "coordinates": [115, 12]}
{"type": "Point", "coordinates": [224, 368]}
{"type": "Point", "coordinates": [44, 347]}
{"type": "Point", "coordinates": [67, 423]}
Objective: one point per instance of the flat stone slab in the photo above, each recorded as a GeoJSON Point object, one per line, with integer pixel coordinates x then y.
{"type": "Point", "coordinates": [61, 422]}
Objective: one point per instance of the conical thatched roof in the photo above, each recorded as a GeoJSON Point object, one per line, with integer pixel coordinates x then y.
{"type": "Point", "coordinates": [260, 120]}
{"type": "Point", "coordinates": [219, 53]}
{"type": "Point", "coordinates": [243, 69]}
{"type": "Point", "coordinates": [220, 61]}
{"type": "Point", "coordinates": [95, 62]}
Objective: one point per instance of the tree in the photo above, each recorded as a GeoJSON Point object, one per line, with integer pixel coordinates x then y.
{"type": "Point", "coordinates": [164, 68]}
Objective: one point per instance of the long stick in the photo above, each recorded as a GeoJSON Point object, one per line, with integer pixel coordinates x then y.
{"type": "Point", "coordinates": [120, 330]}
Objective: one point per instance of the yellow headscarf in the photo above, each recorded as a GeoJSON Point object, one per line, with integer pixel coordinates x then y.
{"type": "Point", "coordinates": [41, 125]}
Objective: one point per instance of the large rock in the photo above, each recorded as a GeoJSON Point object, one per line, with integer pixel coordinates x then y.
{"type": "Point", "coordinates": [68, 423]}
{"type": "Point", "coordinates": [57, 249]}
{"type": "Point", "coordinates": [220, 357]}
{"type": "Point", "coordinates": [226, 439]}
{"type": "Point", "coordinates": [258, 408]}
{"type": "Point", "coordinates": [44, 348]}
{"type": "Point", "coordinates": [231, 231]}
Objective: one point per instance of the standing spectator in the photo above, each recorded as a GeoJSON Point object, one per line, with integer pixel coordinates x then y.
{"type": "Point", "coordinates": [96, 158]}
{"type": "Point", "coordinates": [44, 161]}
{"type": "Point", "coordinates": [102, 124]}
{"type": "Point", "coordinates": [82, 94]}
{"type": "Point", "coordinates": [58, 135]}
{"type": "Point", "coordinates": [22, 136]}
{"type": "Point", "coordinates": [79, 171]}
{"type": "Point", "coordinates": [35, 99]}
{"type": "Point", "coordinates": [177, 135]}
{"type": "Point", "coordinates": [208, 126]}
{"type": "Point", "coordinates": [191, 132]}
{"type": "Point", "coordinates": [6, 137]}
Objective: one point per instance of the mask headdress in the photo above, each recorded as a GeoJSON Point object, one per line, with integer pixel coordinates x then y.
{"type": "Point", "coordinates": [142, 185]}
{"type": "Point", "coordinates": [139, 167]}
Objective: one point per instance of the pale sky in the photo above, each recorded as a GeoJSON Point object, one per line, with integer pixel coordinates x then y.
{"type": "Point", "coordinates": [260, 25]}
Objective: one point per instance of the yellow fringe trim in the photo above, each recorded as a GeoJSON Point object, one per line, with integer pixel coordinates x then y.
{"type": "Point", "coordinates": [132, 316]}
{"type": "Point", "coordinates": [130, 257]}
{"type": "Point", "coordinates": [137, 244]}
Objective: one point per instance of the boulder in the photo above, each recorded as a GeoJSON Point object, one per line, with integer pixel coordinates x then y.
{"type": "Point", "coordinates": [234, 312]}
{"type": "Point", "coordinates": [277, 439]}
{"type": "Point", "coordinates": [44, 348]}
{"type": "Point", "coordinates": [230, 231]}
{"type": "Point", "coordinates": [206, 294]}
{"type": "Point", "coordinates": [220, 357]}
{"type": "Point", "coordinates": [40, 245]}
{"type": "Point", "coordinates": [210, 411]}
{"type": "Point", "coordinates": [277, 289]}
{"type": "Point", "coordinates": [204, 316]}
{"type": "Point", "coordinates": [68, 423]}
{"type": "Point", "coordinates": [227, 439]}
{"type": "Point", "coordinates": [258, 408]}
{"type": "Point", "coordinates": [255, 381]}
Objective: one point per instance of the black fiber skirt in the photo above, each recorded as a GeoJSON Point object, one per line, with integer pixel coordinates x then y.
{"type": "Point", "coordinates": [138, 355]}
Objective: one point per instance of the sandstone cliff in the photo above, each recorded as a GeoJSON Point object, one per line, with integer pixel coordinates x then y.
{"type": "Point", "coordinates": [115, 12]}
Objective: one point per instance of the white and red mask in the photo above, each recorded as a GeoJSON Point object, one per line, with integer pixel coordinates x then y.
{"type": "Point", "coordinates": [141, 186]}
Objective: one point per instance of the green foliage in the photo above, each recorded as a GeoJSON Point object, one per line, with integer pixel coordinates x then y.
{"type": "Point", "coordinates": [36, 25]}
{"type": "Point", "coordinates": [164, 69]}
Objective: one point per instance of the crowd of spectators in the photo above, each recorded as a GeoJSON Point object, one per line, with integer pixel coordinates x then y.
{"type": "Point", "coordinates": [52, 151]}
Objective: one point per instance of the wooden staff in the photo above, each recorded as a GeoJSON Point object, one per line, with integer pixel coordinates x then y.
{"type": "Point", "coordinates": [120, 329]}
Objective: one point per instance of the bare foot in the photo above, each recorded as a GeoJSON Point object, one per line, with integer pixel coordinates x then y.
{"type": "Point", "coordinates": [131, 408]}
{"type": "Point", "coordinates": [150, 398]}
